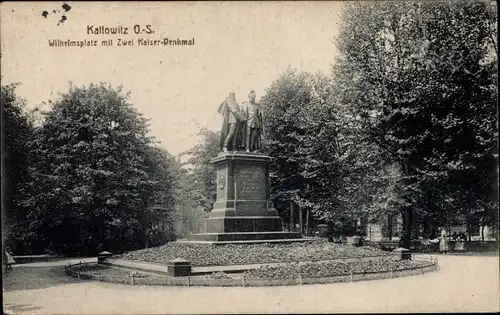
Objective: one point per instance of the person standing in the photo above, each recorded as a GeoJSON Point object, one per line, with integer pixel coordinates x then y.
{"type": "Point", "coordinates": [443, 242]}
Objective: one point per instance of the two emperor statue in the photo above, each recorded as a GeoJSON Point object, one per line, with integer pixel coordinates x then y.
{"type": "Point", "coordinates": [242, 126]}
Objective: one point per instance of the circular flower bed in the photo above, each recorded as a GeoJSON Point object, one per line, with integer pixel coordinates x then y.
{"type": "Point", "coordinates": [203, 255]}
{"type": "Point", "coordinates": [268, 275]}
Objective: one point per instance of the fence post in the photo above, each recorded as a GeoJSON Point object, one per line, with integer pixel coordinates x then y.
{"type": "Point", "coordinates": [189, 281]}
{"type": "Point", "coordinates": [243, 279]}
{"type": "Point", "coordinates": [132, 278]}
{"type": "Point", "coordinates": [300, 278]}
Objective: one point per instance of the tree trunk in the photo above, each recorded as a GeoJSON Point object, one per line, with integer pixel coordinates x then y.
{"type": "Point", "coordinates": [407, 213]}
{"type": "Point", "coordinates": [307, 221]}
{"type": "Point", "coordinates": [469, 232]}
{"type": "Point", "coordinates": [301, 221]}
{"type": "Point", "coordinates": [426, 231]}
{"type": "Point", "coordinates": [389, 226]}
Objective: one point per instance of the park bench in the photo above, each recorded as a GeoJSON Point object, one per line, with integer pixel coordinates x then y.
{"type": "Point", "coordinates": [388, 244]}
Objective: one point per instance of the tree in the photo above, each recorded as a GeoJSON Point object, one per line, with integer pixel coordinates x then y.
{"type": "Point", "coordinates": [295, 125]}
{"type": "Point", "coordinates": [17, 131]}
{"type": "Point", "coordinates": [422, 76]}
{"type": "Point", "coordinates": [98, 173]}
{"type": "Point", "coordinates": [321, 161]}
{"type": "Point", "coordinates": [201, 171]}
{"type": "Point", "coordinates": [190, 215]}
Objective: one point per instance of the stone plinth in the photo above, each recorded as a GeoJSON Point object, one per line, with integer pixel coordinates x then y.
{"type": "Point", "coordinates": [103, 256]}
{"type": "Point", "coordinates": [179, 268]}
{"type": "Point", "coordinates": [243, 210]}
{"type": "Point", "coordinates": [402, 253]}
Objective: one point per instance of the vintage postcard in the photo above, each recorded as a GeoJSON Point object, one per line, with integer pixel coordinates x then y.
{"type": "Point", "coordinates": [249, 157]}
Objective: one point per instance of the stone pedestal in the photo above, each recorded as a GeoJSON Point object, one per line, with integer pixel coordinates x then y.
{"type": "Point", "coordinates": [242, 210]}
{"type": "Point", "coordinates": [402, 253]}
{"type": "Point", "coordinates": [179, 268]}
{"type": "Point", "coordinates": [103, 256]}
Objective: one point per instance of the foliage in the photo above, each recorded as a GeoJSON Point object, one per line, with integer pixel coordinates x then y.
{"type": "Point", "coordinates": [201, 171]}
{"type": "Point", "coordinates": [100, 180]}
{"type": "Point", "coordinates": [322, 161]}
{"type": "Point", "coordinates": [17, 130]}
{"type": "Point", "coordinates": [189, 216]}
{"type": "Point", "coordinates": [422, 77]}
{"type": "Point", "coordinates": [300, 136]}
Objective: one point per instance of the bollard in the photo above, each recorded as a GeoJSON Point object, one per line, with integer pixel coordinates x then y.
{"type": "Point", "coordinates": [189, 281]}
{"type": "Point", "coordinates": [300, 278]}
{"type": "Point", "coordinates": [179, 268]}
{"type": "Point", "coordinates": [391, 273]}
{"type": "Point", "coordinates": [132, 278]}
{"type": "Point", "coordinates": [351, 276]}
{"type": "Point", "coordinates": [243, 279]}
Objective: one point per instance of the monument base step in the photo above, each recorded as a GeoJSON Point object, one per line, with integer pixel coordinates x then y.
{"type": "Point", "coordinates": [245, 237]}
{"type": "Point", "coordinates": [242, 224]}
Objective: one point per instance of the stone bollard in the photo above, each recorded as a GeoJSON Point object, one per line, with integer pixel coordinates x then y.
{"type": "Point", "coordinates": [402, 253]}
{"type": "Point", "coordinates": [179, 268]}
{"type": "Point", "coordinates": [103, 256]}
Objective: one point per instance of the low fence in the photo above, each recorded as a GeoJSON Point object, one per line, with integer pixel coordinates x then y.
{"type": "Point", "coordinates": [454, 246]}
{"type": "Point", "coordinates": [133, 278]}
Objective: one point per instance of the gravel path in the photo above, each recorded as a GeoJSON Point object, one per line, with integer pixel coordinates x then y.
{"type": "Point", "coordinates": [464, 283]}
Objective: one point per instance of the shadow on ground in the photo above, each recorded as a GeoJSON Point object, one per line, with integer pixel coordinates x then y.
{"type": "Point", "coordinates": [35, 278]}
{"type": "Point", "coordinates": [10, 308]}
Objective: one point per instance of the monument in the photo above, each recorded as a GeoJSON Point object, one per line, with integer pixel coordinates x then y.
{"type": "Point", "coordinates": [243, 211]}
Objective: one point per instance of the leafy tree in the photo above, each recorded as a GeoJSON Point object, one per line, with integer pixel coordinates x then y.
{"type": "Point", "coordinates": [201, 171]}
{"type": "Point", "coordinates": [422, 77]}
{"type": "Point", "coordinates": [17, 131]}
{"type": "Point", "coordinates": [98, 173]}
{"type": "Point", "coordinates": [295, 135]}
{"type": "Point", "coordinates": [190, 216]}
{"type": "Point", "coordinates": [316, 149]}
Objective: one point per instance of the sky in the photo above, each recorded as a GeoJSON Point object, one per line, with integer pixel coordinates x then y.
{"type": "Point", "coordinates": [239, 46]}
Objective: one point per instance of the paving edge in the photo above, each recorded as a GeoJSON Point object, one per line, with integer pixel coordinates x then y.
{"type": "Point", "coordinates": [432, 265]}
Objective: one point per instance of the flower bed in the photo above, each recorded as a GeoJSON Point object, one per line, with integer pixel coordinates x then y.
{"type": "Point", "coordinates": [333, 268]}
{"type": "Point", "coordinates": [204, 255]}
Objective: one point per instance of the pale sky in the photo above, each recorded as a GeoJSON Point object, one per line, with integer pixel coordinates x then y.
{"type": "Point", "coordinates": [238, 47]}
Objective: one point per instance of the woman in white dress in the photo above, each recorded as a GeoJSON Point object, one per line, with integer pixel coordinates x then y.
{"type": "Point", "coordinates": [443, 242]}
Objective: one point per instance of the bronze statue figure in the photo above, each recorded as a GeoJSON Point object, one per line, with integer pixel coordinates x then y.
{"type": "Point", "coordinates": [254, 123]}
{"type": "Point", "coordinates": [232, 126]}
